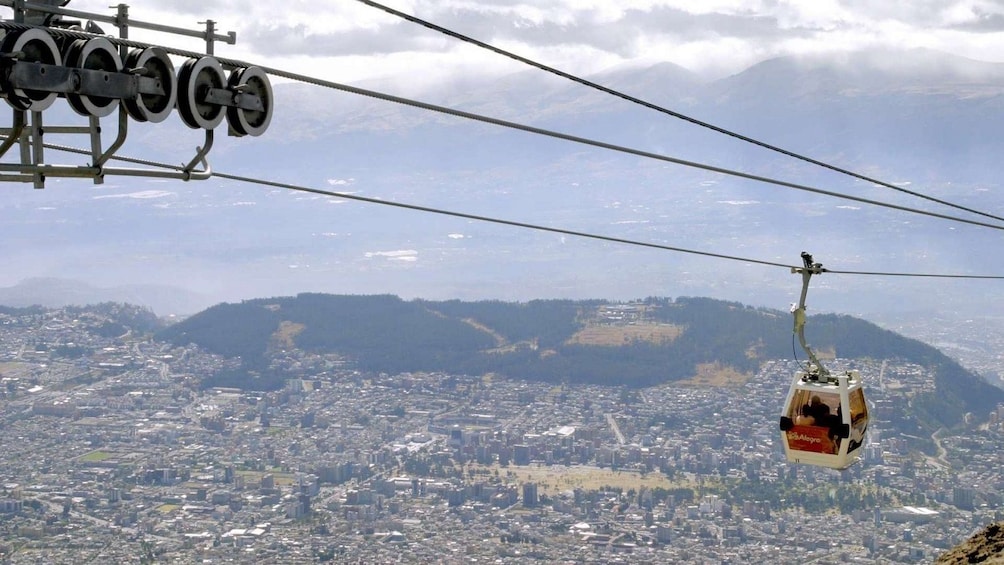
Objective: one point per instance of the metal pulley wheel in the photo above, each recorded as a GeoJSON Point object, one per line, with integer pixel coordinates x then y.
{"type": "Point", "coordinates": [34, 46]}
{"type": "Point", "coordinates": [250, 81]}
{"type": "Point", "coordinates": [154, 64]}
{"type": "Point", "coordinates": [195, 79]}
{"type": "Point", "coordinates": [96, 54]}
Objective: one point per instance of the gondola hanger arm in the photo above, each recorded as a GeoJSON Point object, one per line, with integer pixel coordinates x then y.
{"type": "Point", "coordinates": [816, 369]}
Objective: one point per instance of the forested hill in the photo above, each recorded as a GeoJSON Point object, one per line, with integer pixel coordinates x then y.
{"type": "Point", "coordinates": [638, 344]}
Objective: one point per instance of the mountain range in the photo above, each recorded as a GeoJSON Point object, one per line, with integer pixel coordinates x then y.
{"type": "Point", "coordinates": [56, 292]}
{"type": "Point", "coordinates": [642, 343]}
{"type": "Point", "coordinates": [921, 119]}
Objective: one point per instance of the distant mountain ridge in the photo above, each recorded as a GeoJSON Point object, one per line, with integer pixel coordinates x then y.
{"type": "Point", "coordinates": [563, 341]}
{"type": "Point", "coordinates": [919, 118]}
{"type": "Point", "coordinates": [55, 292]}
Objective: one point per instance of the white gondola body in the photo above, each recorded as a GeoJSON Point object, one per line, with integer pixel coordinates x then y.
{"type": "Point", "coordinates": [824, 421]}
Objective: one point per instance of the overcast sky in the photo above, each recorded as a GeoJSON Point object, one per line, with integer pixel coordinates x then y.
{"type": "Point", "coordinates": [347, 41]}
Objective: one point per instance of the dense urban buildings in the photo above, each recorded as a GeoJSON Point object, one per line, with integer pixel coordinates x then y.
{"type": "Point", "coordinates": [118, 455]}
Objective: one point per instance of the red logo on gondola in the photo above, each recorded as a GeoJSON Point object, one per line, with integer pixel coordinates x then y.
{"type": "Point", "coordinates": [810, 438]}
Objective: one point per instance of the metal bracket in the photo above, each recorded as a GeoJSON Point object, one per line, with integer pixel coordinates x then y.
{"type": "Point", "coordinates": [15, 132]}
{"type": "Point", "coordinates": [234, 98]}
{"type": "Point", "coordinates": [200, 156]}
{"type": "Point", "coordinates": [99, 161]}
{"type": "Point", "coordinates": [88, 82]}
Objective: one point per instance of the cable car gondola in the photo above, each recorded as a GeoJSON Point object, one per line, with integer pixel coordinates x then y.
{"type": "Point", "coordinates": [825, 416]}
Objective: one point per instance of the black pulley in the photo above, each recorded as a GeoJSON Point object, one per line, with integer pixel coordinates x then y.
{"type": "Point", "coordinates": [31, 46]}
{"type": "Point", "coordinates": [250, 83]}
{"type": "Point", "coordinates": [195, 79]}
{"type": "Point", "coordinates": [154, 65]}
{"type": "Point", "coordinates": [97, 54]}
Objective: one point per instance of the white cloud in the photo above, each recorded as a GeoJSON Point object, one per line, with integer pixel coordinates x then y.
{"type": "Point", "coordinates": [817, 14]}
{"type": "Point", "coordinates": [406, 255]}
{"type": "Point", "coordinates": [348, 41]}
{"type": "Point", "coordinates": [141, 195]}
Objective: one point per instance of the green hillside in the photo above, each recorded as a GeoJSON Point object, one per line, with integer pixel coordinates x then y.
{"type": "Point", "coordinates": [649, 342]}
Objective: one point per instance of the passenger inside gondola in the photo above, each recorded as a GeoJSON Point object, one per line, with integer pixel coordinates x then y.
{"type": "Point", "coordinates": [804, 417]}
{"type": "Point", "coordinates": [815, 424]}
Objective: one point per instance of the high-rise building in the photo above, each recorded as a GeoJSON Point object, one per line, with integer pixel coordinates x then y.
{"type": "Point", "coordinates": [530, 498]}
{"type": "Point", "coordinates": [964, 497]}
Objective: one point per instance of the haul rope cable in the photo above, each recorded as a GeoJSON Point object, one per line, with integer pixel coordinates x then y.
{"type": "Point", "coordinates": [635, 100]}
{"type": "Point", "coordinates": [609, 146]}
{"type": "Point", "coordinates": [529, 129]}
{"type": "Point", "coordinates": [513, 223]}
{"type": "Point", "coordinates": [117, 41]}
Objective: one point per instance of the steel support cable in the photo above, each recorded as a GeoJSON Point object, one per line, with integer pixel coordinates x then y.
{"type": "Point", "coordinates": [517, 126]}
{"type": "Point", "coordinates": [119, 42]}
{"type": "Point", "coordinates": [611, 146]}
{"type": "Point", "coordinates": [512, 223]}
{"type": "Point", "coordinates": [921, 275]}
{"type": "Point", "coordinates": [657, 108]}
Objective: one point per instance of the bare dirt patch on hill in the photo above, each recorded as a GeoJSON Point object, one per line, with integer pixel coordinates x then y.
{"type": "Point", "coordinates": [616, 335]}
{"type": "Point", "coordinates": [284, 337]}
{"type": "Point", "coordinates": [715, 375]}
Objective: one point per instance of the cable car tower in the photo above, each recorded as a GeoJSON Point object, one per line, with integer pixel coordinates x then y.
{"type": "Point", "coordinates": [45, 56]}
{"type": "Point", "coordinates": [825, 416]}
